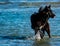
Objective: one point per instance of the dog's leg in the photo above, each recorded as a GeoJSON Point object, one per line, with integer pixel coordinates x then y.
{"type": "Point", "coordinates": [47, 28]}
{"type": "Point", "coordinates": [35, 31]}
{"type": "Point", "coordinates": [43, 32]}
{"type": "Point", "coordinates": [48, 32]}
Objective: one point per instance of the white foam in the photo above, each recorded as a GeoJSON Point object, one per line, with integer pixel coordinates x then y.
{"type": "Point", "coordinates": [36, 37]}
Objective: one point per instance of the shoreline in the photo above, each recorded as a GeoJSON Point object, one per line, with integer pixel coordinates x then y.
{"type": "Point", "coordinates": [30, 4]}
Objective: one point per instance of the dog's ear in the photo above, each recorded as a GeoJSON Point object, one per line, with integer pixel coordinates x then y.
{"type": "Point", "coordinates": [45, 6]}
{"type": "Point", "coordinates": [40, 9]}
{"type": "Point", "coordinates": [49, 6]}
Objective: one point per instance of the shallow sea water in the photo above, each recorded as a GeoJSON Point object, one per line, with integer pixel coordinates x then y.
{"type": "Point", "coordinates": [16, 22]}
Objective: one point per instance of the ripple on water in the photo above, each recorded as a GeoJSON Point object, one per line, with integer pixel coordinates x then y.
{"type": "Point", "coordinates": [54, 41]}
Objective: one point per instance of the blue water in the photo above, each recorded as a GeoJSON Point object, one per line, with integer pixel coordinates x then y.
{"type": "Point", "coordinates": [16, 22]}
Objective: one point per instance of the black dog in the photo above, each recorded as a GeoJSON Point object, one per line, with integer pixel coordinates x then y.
{"type": "Point", "coordinates": [41, 18]}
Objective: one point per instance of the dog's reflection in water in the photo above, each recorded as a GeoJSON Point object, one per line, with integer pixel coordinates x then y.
{"type": "Point", "coordinates": [42, 42]}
